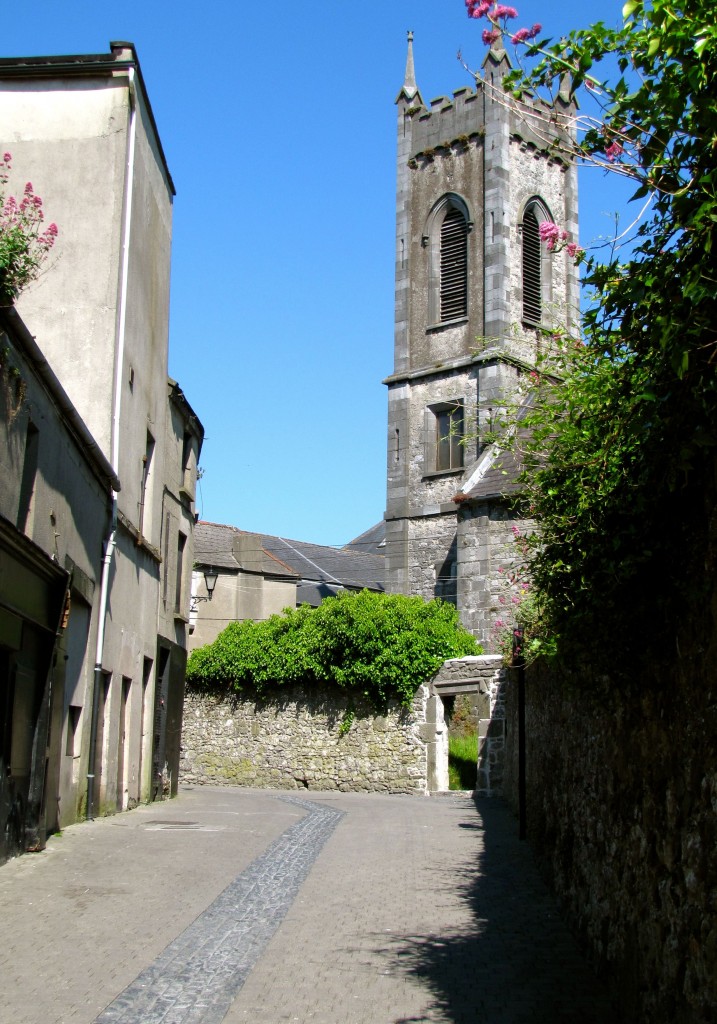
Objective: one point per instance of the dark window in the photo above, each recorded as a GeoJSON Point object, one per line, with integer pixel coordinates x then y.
{"type": "Point", "coordinates": [449, 437]}
{"type": "Point", "coordinates": [454, 266]}
{"type": "Point", "coordinates": [532, 260]}
{"type": "Point", "coordinates": [181, 543]}
{"type": "Point", "coordinates": [27, 481]}
{"type": "Point", "coordinates": [145, 485]}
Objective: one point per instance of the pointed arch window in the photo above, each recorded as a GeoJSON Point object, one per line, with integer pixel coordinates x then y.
{"type": "Point", "coordinates": [448, 229]}
{"type": "Point", "coordinates": [537, 267]}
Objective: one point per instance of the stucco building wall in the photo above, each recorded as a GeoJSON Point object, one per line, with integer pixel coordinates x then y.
{"type": "Point", "coordinates": [82, 129]}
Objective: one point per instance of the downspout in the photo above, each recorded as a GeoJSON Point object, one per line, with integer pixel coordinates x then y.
{"type": "Point", "coordinates": [111, 542]}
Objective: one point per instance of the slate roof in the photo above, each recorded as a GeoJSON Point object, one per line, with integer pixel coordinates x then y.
{"type": "Point", "coordinates": [215, 545]}
{"type": "Point", "coordinates": [372, 541]}
{"type": "Point", "coordinates": [495, 474]}
{"type": "Point", "coordinates": [319, 563]}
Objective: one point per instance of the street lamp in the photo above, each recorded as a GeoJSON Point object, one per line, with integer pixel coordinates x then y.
{"type": "Point", "coordinates": [210, 581]}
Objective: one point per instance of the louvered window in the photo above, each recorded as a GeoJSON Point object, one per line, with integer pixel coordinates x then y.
{"type": "Point", "coordinates": [532, 259]}
{"type": "Point", "coordinates": [454, 266]}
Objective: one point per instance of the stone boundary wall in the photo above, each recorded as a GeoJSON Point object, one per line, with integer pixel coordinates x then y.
{"type": "Point", "coordinates": [291, 741]}
{"type": "Point", "coordinates": [621, 807]}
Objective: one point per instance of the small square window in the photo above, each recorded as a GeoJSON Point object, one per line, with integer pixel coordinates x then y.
{"type": "Point", "coordinates": [450, 431]}
{"type": "Point", "coordinates": [444, 437]}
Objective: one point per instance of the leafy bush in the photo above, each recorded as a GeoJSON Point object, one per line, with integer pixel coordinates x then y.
{"type": "Point", "coordinates": [378, 647]}
{"type": "Point", "coordinates": [620, 471]}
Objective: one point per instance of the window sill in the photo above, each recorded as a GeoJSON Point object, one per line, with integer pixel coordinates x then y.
{"type": "Point", "coordinates": [442, 472]}
{"type": "Point", "coordinates": [446, 324]}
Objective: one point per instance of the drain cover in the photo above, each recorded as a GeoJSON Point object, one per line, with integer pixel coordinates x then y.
{"type": "Point", "coordinates": [173, 824]}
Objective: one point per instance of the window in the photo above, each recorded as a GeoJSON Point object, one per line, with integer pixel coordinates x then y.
{"type": "Point", "coordinates": [27, 482]}
{"type": "Point", "coordinates": [145, 494]}
{"type": "Point", "coordinates": [72, 748]}
{"type": "Point", "coordinates": [448, 228]}
{"type": "Point", "coordinates": [536, 264]}
{"type": "Point", "coordinates": [178, 588]}
{"type": "Point", "coordinates": [454, 266]}
{"type": "Point", "coordinates": [449, 433]}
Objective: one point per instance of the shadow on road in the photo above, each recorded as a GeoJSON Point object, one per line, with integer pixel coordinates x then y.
{"type": "Point", "coordinates": [517, 961]}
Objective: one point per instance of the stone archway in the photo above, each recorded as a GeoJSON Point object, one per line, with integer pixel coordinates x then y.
{"type": "Point", "coordinates": [482, 680]}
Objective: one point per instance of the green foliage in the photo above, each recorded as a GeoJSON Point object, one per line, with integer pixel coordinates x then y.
{"type": "Point", "coordinates": [378, 647]}
{"type": "Point", "coordinates": [620, 464]}
{"type": "Point", "coordinates": [462, 761]}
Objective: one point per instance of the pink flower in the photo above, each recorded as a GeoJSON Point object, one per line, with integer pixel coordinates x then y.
{"type": "Point", "coordinates": [523, 34]}
{"type": "Point", "coordinates": [549, 233]}
{"type": "Point", "coordinates": [28, 188]}
{"type": "Point", "coordinates": [613, 151]}
{"type": "Point", "coordinates": [573, 250]}
{"type": "Point", "coordinates": [501, 11]}
{"type": "Point", "coordinates": [477, 8]}
{"type": "Point", "coordinates": [7, 157]}
{"type": "Point", "coordinates": [490, 36]}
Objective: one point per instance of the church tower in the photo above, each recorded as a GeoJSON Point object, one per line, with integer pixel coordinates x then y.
{"type": "Point", "coordinates": [475, 292]}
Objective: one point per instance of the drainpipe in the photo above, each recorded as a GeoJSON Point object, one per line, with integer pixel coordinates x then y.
{"type": "Point", "coordinates": [111, 542]}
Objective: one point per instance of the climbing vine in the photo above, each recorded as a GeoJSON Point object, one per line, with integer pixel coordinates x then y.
{"type": "Point", "coordinates": [377, 647]}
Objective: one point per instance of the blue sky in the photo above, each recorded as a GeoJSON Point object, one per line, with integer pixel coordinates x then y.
{"type": "Point", "coordinates": [278, 123]}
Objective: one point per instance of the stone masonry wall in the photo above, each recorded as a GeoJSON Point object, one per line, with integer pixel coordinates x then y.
{"type": "Point", "coordinates": [292, 741]}
{"type": "Point", "coordinates": [622, 812]}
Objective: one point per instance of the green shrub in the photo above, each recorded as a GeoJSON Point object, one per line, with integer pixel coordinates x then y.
{"type": "Point", "coordinates": [377, 647]}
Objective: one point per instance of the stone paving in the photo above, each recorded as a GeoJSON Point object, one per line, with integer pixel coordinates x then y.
{"type": "Point", "coordinates": [253, 906]}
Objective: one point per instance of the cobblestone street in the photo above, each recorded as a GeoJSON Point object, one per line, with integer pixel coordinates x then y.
{"type": "Point", "coordinates": [258, 907]}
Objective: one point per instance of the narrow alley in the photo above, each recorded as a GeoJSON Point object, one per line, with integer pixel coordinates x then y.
{"type": "Point", "coordinates": [261, 907]}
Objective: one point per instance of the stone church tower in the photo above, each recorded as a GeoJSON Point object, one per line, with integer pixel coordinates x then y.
{"type": "Point", "coordinates": [475, 291]}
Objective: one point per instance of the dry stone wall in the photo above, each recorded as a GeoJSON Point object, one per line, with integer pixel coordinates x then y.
{"type": "Point", "coordinates": [292, 741]}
